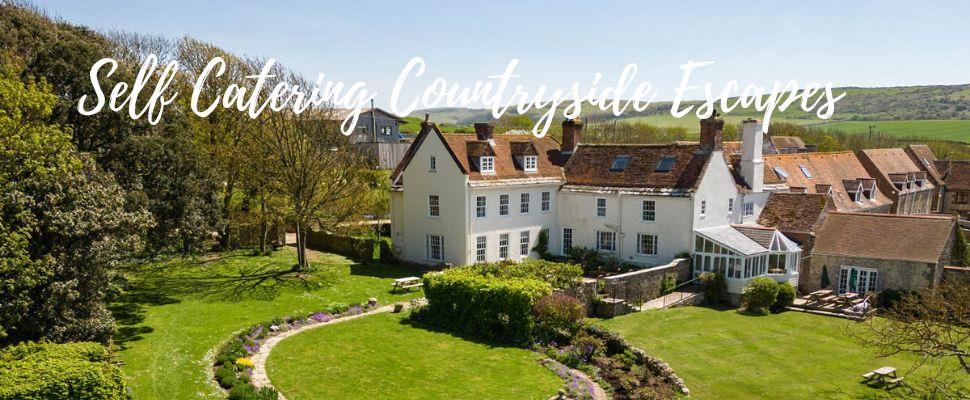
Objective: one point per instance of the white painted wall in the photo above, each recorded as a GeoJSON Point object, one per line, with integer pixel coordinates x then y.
{"type": "Point", "coordinates": [716, 187]}
{"type": "Point", "coordinates": [623, 215]}
{"type": "Point", "coordinates": [410, 220]}
{"type": "Point", "coordinates": [493, 224]}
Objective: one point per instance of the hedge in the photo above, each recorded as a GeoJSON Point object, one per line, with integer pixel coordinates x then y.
{"type": "Point", "coordinates": [48, 371]}
{"type": "Point", "coordinates": [498, 309]}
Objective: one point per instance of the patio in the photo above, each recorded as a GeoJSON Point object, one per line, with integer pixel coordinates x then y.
{"type": "Point", "coordinates": [849, 305]}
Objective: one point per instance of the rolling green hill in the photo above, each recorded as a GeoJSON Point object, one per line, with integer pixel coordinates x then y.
{"type": "Point", "coordinates": [940, 112]}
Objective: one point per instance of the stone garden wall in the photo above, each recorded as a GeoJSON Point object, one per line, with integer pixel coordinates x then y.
{"type": "Point", "coordinates": [643, 285]}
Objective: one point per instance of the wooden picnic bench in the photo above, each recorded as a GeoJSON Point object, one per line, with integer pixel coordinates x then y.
{"type": "Point", "coordinates": [405, 284]}
{"type": "Point", "coordinates": [818, 295]}
{"type": "Point", "coordinates": [885, 376]}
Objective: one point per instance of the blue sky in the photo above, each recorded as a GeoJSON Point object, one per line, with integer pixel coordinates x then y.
{"type": "Point", "coordinates": [849, 43]}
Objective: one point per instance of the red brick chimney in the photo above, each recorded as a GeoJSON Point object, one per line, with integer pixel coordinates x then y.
{"type": "Point", "coordinates": [483, 130]}
{"type": "Point", "coordinates": [572, 133]}
{"type": "Point", "coordinates": [712, 133]}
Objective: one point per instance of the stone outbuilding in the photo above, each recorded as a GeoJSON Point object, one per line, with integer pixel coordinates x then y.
{"type": "Point", "coordinates": [865, 252]}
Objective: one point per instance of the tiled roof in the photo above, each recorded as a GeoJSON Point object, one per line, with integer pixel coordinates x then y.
{"type": "Point", "coordinates": [892, 164]}
{"type": "Point", "coordinates": [590, 165]}
{"type": "Point", "coordinates": [464, 150]}
{"type": "Point", "coordinates": [923, 155]}
{"type": "Point", "coordinates": [788, 142]}
{"type": "Point", "coordinates": [794, 212]}
{"type": "Point", "coordinates": [956, 174]}
{"type": "Point", "coordinates": [467, 148]}
{"type": "Point", "coordinates": [832, 169]}
{"type": "Point", "coordinates": [884, 236]}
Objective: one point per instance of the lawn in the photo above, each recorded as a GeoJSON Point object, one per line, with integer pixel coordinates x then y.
{"type": "Point", "coordinates": [728, 355]}
{"type": "Point", "coordinates": [380, 357]}
{"type": "Point", "coordinates": [177, 311]}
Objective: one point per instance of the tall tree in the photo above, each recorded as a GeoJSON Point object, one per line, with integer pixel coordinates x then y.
{"type": "Point", "coordinates": [315, 167]}
{"type": "Point", "coordinates": [58, 246]}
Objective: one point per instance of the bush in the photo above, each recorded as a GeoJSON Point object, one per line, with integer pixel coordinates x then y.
{"type": "Point", "coordinates": [559, 275]}
{"type": "Point", "coordinates": [888, 298]}
{"type": "Point", "coordinates": [715, 287]}
{"type": "Point", "coordinates": [760, 295]}
{"type": "Point", "coordinates": [786, 297]}
{"type": "Point", "coordinates": [668, 284]}
{"type": "Point", "coordinates": [482, 303]}
{"type": "Point", "coordinates": [226, 376]}
{"type": "Point", "coordinates": [558, 316]}
{"type": "Point", "coordinates": [231, 352]}
{"type": "Point", "coordinates": [47, 371]}
{"type": "Point", "coordinates": [589, 259]}
{"type": "Point", "coordinates": [542, 245]}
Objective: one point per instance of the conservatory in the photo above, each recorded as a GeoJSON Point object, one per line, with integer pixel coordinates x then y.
{"type": "Point", "coordinates": [742, 252]}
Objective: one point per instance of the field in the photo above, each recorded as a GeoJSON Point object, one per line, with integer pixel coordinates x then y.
{"type": "Point", "coordinates": [956, 130]}
{"type": "Point", "coordinates": [179, 310]}
{"type": "Point", "coordinates": [728, 355]}
{"type": "Point", "coordinates": [380, 357]}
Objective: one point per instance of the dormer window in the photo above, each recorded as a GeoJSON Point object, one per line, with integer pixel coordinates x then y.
{"type": "Point", "coordinates": [530, 163]}
{"type": "Point", "coordinates": [857, 196]}
{"type": "Point", "coordinates": [487, 164]}
{"type": "Point", "coordinates": [620, 163]}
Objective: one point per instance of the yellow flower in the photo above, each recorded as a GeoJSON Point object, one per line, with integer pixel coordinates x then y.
{"type": "Point", "coordinates": [245, 362]}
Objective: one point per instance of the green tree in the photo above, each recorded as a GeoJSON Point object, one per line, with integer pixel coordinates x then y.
{"type": "Point", "coordinates": [64, 225]}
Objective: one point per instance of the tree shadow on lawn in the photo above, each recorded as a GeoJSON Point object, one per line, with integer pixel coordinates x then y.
{"type": "Point", "coordinates": [490, 344]}
{"type": "Point", "coordinates": [383, 271]}
{"type": "Point", "coordinates": [248, 282]}
{"type": "Point", "coordinates": [157, 286]}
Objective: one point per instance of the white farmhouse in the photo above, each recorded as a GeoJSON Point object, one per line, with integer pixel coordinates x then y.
{"type": "Point", "coordinates": [463, 199]}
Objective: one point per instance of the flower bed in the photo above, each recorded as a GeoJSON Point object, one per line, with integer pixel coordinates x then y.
{"type": "Point", "coordinates": [627, 372]}
{"type": "Point", "coordinates": [233, 367]}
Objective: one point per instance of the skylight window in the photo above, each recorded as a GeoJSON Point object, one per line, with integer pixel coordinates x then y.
{"type": "Point", "coordinates": [805, 171]}
{"type": "Point", "coordinates": [666, 164]}
{"type": "Point", "coordinates": [781, 173]}
{"type": "Point", "coordinates": [620, 163]}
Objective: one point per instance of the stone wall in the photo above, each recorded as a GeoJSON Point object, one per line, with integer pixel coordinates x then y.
{"type": "Point", "coordinates": [956, 274]}
{"type": "Point", "coordinates": [644, 284]}
{"type": "Point", "coordinates": [893, 274]}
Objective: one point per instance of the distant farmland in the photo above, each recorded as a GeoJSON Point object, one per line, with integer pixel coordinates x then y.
{"type": "Point", "coordinates": [956, 130]}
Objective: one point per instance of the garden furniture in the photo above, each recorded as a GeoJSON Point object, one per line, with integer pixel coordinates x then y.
{"type": "Point", "coordinates": [884, 375]}
{"type": "Point", "coordinates": [405, 284]}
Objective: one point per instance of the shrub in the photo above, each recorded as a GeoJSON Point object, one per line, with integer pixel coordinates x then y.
{"type": "Point", "coordinates": [247, 392]}
{"type": "Point", "coordinates": [668, 284]}
{"type": "Point", "coordinates": [559, 275]}
{"type": "Point", "coordinates": [888, 298]}
{"type": "Point", "coordinates": [47, 371]}
{"type": "Point", "coordinates": [589, 259]}
{"type": "Point", "coordinates": [542, 245]}
{"type": "Point", "coordinates": [232, 351]}
{"type": "Point", "coordinates": [785, 298]}
{"type": "Point", "coordinates": [470, 301]}
{"type": "Point", "coordinates": [715, 287]}
{"type": "Point", "coordinates": [558, 316]}
{"type": "Point", "coordinates": [245, 362]}
{"type": "Point", "coordinates": [760, 294]}
{"type": "Point", "coordinates": [226, 376]}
